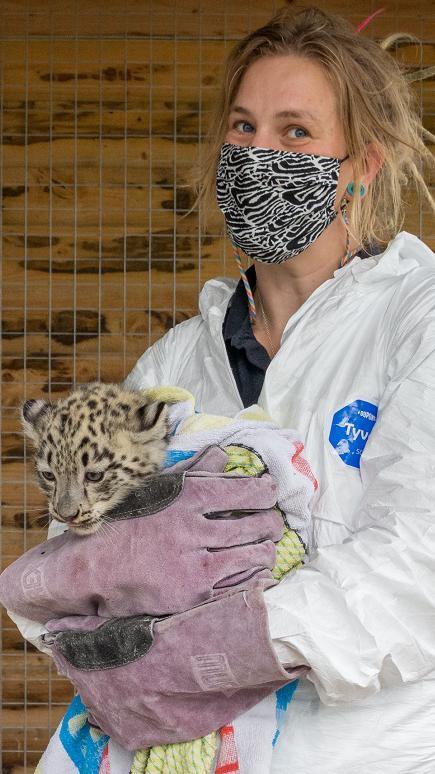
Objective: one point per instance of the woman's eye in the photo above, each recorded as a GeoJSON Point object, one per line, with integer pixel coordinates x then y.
{"type": "Point", "coordinates": [94, 475]}
{"type": "Point", "coordinates": [48, 475]}
{"type": "Point", "coordinates": [297, 132]}
{"type": "Point", "coordinates": [244, 127]}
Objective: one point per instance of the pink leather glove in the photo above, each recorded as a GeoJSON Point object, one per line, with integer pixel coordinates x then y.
{"type": "Point", "coordinates": [147, 681]}
{"type": "Point", "coordinates": [186, 537]}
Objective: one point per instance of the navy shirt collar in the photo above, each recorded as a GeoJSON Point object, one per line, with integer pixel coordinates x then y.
{"type": "Point", "coordinates": [237, 329]}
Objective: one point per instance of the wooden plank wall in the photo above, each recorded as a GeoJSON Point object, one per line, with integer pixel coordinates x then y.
{"type": "Point", "coordinates": [103, 107]}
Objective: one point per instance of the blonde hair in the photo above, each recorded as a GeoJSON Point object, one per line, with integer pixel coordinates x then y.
{"type": "Point", "coordinates": [375, 104]}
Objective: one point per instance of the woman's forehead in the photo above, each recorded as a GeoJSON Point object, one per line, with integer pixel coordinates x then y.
{"type": "Point", "coordinates": [287, 87]}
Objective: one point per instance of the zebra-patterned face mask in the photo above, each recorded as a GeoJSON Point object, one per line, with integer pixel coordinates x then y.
{"type": "Point", "coordinates": [275, 203]}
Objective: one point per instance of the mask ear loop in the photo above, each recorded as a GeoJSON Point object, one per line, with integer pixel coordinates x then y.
{"type": "Point", "coordinates": [251, 302]}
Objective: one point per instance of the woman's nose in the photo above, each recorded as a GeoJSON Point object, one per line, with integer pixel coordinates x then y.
{"type": "Point", "coordinates": [265, 138]}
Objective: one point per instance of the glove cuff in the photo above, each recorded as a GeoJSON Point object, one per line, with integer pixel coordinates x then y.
{"type": "Point", "coordinates": [232, 648]}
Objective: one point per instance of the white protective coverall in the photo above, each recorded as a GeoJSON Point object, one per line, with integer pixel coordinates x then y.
{"type": "Point", "coordinates": [362, 613]}
{"type": "Point", "coordinates": [356, 375]}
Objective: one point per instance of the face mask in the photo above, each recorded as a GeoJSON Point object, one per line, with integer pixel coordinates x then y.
{"type": "Point", "coordinates": [275, 203]}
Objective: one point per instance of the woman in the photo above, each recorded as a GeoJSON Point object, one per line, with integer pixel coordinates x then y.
{"type": "Point", "coordinates": [319, 138]}
{"type": "Point", "coordinates": [313, 141]}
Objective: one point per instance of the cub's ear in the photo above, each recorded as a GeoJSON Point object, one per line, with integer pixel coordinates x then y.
{"type": "Point", "coordinates": [153, 416]}
{"type": "Point", "coordinates": [34, 414]}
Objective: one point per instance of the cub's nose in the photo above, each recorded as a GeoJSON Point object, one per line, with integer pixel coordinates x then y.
{"type": "Point", "coordinates": [66, 508]}
{"type": "Point", "coordinates": [64, 516]}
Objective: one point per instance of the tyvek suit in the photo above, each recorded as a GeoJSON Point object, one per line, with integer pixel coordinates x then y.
{"type": "Point", "coordinates": [356, 374]}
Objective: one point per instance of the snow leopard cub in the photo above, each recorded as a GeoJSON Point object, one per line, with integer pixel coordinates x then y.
{"type": "Point", "coordinates": [92, 448]}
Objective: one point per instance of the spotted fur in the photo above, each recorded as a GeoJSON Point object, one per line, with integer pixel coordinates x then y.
{"type": "Point", "coordinates": [92, 448]}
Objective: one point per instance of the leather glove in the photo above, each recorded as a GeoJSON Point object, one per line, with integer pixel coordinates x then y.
{"type": "Point", "coordinates": [152, 681]}
{"type": "Point", "coordinates": [186, 537]}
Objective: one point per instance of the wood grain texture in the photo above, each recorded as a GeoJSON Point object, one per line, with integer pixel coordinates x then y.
{"type": "Point", "coordinates": [104, 107]}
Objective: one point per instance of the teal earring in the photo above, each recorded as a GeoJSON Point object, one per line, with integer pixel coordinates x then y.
{"type": "Point", "coordinates": [350, 189]}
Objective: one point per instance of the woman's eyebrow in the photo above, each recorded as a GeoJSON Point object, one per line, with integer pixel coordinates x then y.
{"type": "Point", "coordinates": [295, 114]}
{"type": "Point", "coordinates": [298, 114]}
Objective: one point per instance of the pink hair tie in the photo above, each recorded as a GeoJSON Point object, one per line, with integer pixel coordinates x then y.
{"type": "Point", "coordinates": [369, 19]}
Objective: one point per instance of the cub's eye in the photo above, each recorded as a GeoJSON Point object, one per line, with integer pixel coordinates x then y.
{"type": "Point", "coordinates": [94, 475]}
{"type": "Point", "coordinates": [47, 474]}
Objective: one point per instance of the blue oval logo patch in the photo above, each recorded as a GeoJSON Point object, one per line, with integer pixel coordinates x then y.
{"type": "Point", "coordinates": [350, 429]}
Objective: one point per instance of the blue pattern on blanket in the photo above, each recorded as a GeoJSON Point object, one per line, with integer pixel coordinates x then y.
{"type": "Point", "coordinates": [174, 455]}
{"type": "Point", "coordinates": [284, 696]}
{"type": "Point", "coordinates": [82, 742]}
